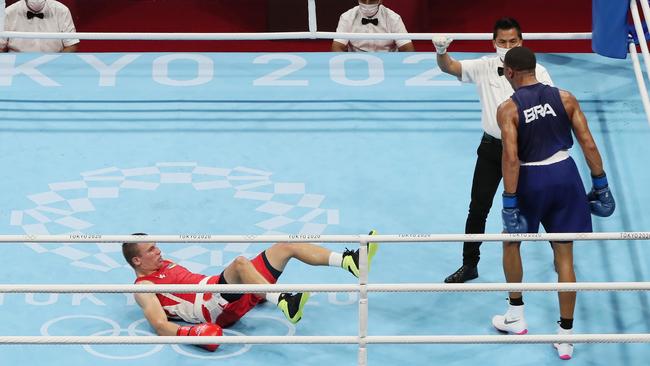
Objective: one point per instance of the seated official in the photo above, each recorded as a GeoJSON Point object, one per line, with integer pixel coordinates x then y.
{"type": "Point", "coordinates": [371, 16]}
{"type": "Point", "coordinates": [38, 16]}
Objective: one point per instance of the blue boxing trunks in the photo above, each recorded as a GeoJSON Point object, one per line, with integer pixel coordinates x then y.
{"type": "Point", "coordinates": [554, 196]}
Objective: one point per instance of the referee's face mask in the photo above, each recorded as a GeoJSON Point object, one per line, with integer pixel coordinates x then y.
{"type": "Point", "coordinates": [36, 5]}
{"type": "Point", "coordinates": [505, 40]}
{"type": "Point", "coordinates": [369, 8]}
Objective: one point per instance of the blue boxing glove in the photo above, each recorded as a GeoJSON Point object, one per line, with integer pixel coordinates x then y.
{"type": "Point", "coordinates": [600, 197]}
{"type": "Point", "coordinates": [513, 221]}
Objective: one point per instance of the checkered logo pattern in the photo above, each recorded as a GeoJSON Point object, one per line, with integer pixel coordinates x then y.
{"type": "Point", "coordinates": [63, 208]}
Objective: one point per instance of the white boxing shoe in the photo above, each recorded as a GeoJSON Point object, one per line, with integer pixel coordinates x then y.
{"type": "Point", "coordinates": [564, 350]}
{"type": "Point", "coordinates": [512, 321]}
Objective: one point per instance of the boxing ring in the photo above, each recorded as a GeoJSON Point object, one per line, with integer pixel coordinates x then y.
{"type": "Point", "coordinates": [296, 147]}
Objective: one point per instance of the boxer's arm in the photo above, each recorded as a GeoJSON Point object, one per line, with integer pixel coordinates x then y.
{"type": "Point", "coordinates": [155, 314]}
{"type": "Point", "coordinates": [507, 118]}
{"type": "Point", "coordinates": [601, 200]}
{"type": "Point", "coordinates": [582, 133]}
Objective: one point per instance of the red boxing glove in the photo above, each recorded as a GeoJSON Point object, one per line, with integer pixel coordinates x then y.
{"type": "Point", "coordinates": [203, 329]}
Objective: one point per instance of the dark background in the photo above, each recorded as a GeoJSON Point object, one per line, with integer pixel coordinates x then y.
{"type": "Point", "coordinates": [420, 16]}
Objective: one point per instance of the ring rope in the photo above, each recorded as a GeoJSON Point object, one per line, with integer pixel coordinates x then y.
{"type": "Point", "coordinates": [638, 73]}
{"type": "Point", "coordinates": [402, 238]}
{"type": "Point", "coordinates": [401, 287]}
{"type": "Point", "coordinates": [363, 288]}
{"type": "Point", "coordinates": [313, 34]}
{"type": "Point", "coordinates": [311, 14]}
{"type": "Point", "coordinates": [405, 339]}
{"type": "Point", "coordinates": [281, 36]}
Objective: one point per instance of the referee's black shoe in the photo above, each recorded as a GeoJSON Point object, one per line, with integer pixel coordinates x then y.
{"type": "Point", "coordinates": [463, 274]}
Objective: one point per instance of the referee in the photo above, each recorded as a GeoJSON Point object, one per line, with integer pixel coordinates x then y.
{"type": "Point", "coordinates": [493, 88]}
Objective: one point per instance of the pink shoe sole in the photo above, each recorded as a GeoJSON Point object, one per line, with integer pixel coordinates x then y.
{"type": "Point", "coordinates": [563, 357]}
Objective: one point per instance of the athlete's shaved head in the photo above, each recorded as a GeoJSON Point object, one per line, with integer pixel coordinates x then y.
{"type": "Point", "coordinates": [520, 59]}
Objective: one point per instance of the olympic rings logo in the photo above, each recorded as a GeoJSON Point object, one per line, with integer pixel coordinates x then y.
{"type": "Point", "coordinates": [114, 329]}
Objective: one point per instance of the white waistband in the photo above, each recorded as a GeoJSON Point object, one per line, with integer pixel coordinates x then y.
{"type": "Point", "coordinates": [198, 302]}
{"type": "Point", "coordinates": [214, 305]}
{"type": "Point", "coordinates": [555, 158]}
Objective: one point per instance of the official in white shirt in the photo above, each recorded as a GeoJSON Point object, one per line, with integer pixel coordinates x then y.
{"type": "Point", "coordinates": [371, 16]}
{"type": "Point", "coordinates": [38, 16]}
{"type": "Point", "coordinates": [493, 89]}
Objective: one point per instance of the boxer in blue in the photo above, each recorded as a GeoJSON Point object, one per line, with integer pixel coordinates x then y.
{"type": "Point", "coordinates": [542, 183]}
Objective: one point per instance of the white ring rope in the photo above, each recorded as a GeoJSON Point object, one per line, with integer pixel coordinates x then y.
{"type": "Point", "coordinates": [406, 339]}
{"type": "Point", "coordinates": [455, 36]}
{"type": "Point", "coordinates": [362, 288]}
{"type": "Point", "coordinates": [638, 26]}
{"type": "Point", "coordinates": [311, 11]}
{"type": "Point", "coordinates": [282, 35]}
{"type": "Point", "coordinates": [400, 238]}
{"type": "Point", "coordinates": [313, 33]}
{"type": "Point", "coordinates": [363, 339]}
{"type": "Point", "coordinates": [401, 287]}
{"type": "Point", "coordinates": [638, 73]}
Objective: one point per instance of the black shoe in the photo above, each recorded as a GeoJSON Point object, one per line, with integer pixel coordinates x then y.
{"type": "Point", "coordinates": [351, 258]}
{"type": "Point", "coordinates": [293, 305]}
{"type": "Point", "coordinates": [463, 274]}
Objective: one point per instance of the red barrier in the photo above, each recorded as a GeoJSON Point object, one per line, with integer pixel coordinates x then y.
{"type": "Point", "coordinates": [421, 16]}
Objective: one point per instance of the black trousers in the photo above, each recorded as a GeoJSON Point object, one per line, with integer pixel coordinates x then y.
{"type": "Point", "coordinates": [487, 176]}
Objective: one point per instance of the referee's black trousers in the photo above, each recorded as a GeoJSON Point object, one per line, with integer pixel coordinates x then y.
{"type": "Point", "coordinates": [487, 176]}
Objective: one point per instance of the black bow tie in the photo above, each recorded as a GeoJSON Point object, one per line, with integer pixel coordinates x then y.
{"type": "Point", "coordinates": [30, 15]}
{"type": "Point", "coordinates": [500, 71]}
{"type": "Point", "coordinates": [365, 21]}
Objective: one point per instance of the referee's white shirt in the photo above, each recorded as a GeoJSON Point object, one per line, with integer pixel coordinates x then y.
{"type": "Point", "coordinates": [57, 18]}
{"type": "Point", "coordinates": [389, 22]}
{"type": "Point", "coordinates": [492, 88]}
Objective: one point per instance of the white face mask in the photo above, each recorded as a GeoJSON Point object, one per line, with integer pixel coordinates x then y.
{"type": "Point", "coordinates": [36, 5]}
{"type": "Point", "coordinates": [501, 52]}
{"type": "Point", "coordinates": [368, 10]}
